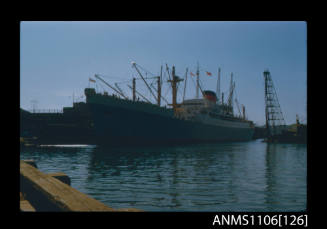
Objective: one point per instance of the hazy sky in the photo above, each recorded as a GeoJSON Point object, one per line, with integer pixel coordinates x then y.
{"type": "Point", "coordinates": [58, 58]}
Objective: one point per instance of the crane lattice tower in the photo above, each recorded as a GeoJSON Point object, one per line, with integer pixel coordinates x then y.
{"type": "Point", "coordinates": [275, 122]}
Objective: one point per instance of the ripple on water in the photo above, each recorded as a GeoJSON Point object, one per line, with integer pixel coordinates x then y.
{"type": "Point", "coordinates": [250, 176]}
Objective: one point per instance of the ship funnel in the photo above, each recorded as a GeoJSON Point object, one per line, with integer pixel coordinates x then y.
{"type": "Point", "coordinates": [210, 95]}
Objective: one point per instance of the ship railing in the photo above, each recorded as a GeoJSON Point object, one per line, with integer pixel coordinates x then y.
{"type": "Point", "coordinates": [53, 111]}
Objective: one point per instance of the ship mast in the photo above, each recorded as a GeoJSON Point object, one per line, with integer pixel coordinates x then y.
{"type": "Point", "coordinates": [161, 75]}
{"type": "Point", "coordinates": [197, 80]}
{"type": "Point", "coordinates": [218, 86]}
{"type": "Point", "coordinates": [139, 94]}
{"type": "Point", "coordinates": [159, 90]}
{"type": "Point", "coordinates": [174, 81]}
{"type": "Point", "coordinates": [185, 83]}
{"type": "Point", "coordinates": [134, 89]}
{"type": "Point", "coordinates": [243, 112]}
{"type": "Point", "coordinates": [159, 86]}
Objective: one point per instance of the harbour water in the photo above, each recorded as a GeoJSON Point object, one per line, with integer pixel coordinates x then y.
{"type": "Point", "coordinates": [232, 177]}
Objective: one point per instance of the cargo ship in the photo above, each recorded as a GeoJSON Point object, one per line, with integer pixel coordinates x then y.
{"type": "Point", "coordinates": [119, 120]}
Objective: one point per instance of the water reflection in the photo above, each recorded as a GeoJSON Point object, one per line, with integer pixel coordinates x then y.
{"type": "Point", "coordinates": [197, 172]}
{"type": "Point", "coordinates": [286, 173]}
{"type": "Point", "coordinates": [247, 176]}
{"type": "Point", "coordinates": [271, 175]}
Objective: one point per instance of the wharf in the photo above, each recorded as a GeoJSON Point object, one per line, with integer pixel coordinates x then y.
{"type": "Point", "coordinates": [52, 192]}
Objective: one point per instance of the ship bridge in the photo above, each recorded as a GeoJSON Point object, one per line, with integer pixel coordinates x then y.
{"type": "Point", "coordinates": [193, 102]}
{"type": "Point", "coordinates": [191, 107]}
{"type": "Point", "coordinates": [209, 100]}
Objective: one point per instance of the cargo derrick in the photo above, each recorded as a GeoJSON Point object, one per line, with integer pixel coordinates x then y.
{"type": "Point", "coordinates": [117, 91]}
{"type": "Point", "coordinates": [157, 97]}
{"type": "Point", "coordinates": [138, 71]}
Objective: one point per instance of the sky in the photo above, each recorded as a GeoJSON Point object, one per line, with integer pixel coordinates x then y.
{"type": "Point", "coordinates": [58, 58]}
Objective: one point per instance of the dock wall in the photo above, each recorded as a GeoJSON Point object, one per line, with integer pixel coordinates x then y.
{"type": "Point", "coordinates": [52, 192]}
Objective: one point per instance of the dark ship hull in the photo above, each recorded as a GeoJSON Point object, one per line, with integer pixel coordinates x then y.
{"type": "Point", "coordinates": [72, 126]}
{"type": "Point", "coordinates": [124, 122]}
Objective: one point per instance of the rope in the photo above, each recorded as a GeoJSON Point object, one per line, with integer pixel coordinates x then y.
{"type": "Point", "coordinates": [145, 70]}
{"type": "Point", "coordinates": [106, 76]}
{"type": "Point", "coordinates": [167, 91]}
{"type": "Point", "coordinates": [193, 81]}
{"type": "Point", "coordinates": [124, 82]}
{"type": "Point", "coordinates": [103, 88]}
